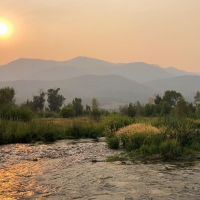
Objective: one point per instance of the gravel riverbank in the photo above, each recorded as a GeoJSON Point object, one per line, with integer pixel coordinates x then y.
{"type": "Point", "coordinates": [64, 170]}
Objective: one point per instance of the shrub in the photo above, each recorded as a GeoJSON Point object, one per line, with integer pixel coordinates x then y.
{"type": "Point", "coordinates": [13, 112]}
{"type": "Point", "coordinates": [25, 114]}
{"type": "Point", "coordinates": [115, 121]}
{"type": "Point", "coordinates": [49, 136]}
{"type": "Point", "coordinates": [49, 114]}
{"type": "Point", "coordinates": [135, 141]}
{"type": "Point", "coordinates": [113, 142]}
{"type": "Point", "coordinates": [67, 112]}
{"type": "Point", "coordinates": [170, 149]}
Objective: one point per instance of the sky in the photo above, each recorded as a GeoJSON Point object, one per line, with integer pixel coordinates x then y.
{"type": "Point", "coordinates": [163, 32]}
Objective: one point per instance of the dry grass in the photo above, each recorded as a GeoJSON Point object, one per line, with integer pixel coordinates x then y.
{"type": "Point", "coordinates": [138, 128]}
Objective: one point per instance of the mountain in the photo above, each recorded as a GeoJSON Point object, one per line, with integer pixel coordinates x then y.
{"type": "Point", "coordinates": [114, 84]}
{"type": "Point", "coordinates": [111, 88]}
{"type": "Point", "coordinates": [177, 72]}
{"type": "Point", "coordinates": [142, 72]}
{"type": "Point", "coordinates": [23, 67]}
{"type": "Point", "coordinates": [35, 69]}
{"type": "Point", "coordinates": [187, 85]}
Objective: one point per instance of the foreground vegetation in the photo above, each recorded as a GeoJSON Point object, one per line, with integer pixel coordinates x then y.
{"type": "Point", "coordinates": [164, 138]}
{"type": "Point", "coordinates": [50, 130]}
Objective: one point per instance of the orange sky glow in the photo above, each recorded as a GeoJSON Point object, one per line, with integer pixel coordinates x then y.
{"type": "Point", "coordinates": [166, 33]}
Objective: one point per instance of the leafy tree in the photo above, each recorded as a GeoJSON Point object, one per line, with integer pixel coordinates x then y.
{"type": "Point", "coordinates": [95, 109]}
{"type": "Point", "coordinates": [7, 96]}
{"type": "Point", "coordinates": [124, 109]}
{"type": "Point", "coordinates": [191, 107]}
{"type": "Point", "coordinates": [149, 109]}
{"type": "Point", "coordinates": [55, 100]}
{"type": "Point", "coordinates": [182, 108]}
{"type": "Point", "coordinates": [157, 99]}
{"type": "Point", "coordinates": [95, 104]}
{"type": "Point", "coordinates": [171, 97]}
{"type": "Point", "coordinates": [87, 108]}
{"type": "Point", "coordinates": [165, 108]}
{"type": "Point", "coordinates": [29, 104]}
{"type": "Point", "coordinates": [197, 102]}
{"type": "Point", "coordinates": [77, 105]}
{"type": "Point", "coordinates": [197, 99]}
{"type": "Point", "coordinates": [131, 110]}
{"type": "Point", "coordinates": [39, 100]}
{"type": "Point", "coordinates": [139, 108]}
{"type": "Point", "coordinates": [96, 114]}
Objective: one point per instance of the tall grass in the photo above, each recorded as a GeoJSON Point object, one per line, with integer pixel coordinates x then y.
{"type": "Point", "coordinates": [51, 129]}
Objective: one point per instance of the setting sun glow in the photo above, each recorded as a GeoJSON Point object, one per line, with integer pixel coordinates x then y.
{"type": "Point", "coordinates": [3, 29]}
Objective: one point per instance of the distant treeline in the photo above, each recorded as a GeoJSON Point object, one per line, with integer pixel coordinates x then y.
{"type": "Point", "coordinates": [171, 102]}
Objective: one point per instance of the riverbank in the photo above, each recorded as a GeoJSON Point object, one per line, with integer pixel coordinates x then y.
{"type": "Point", "coordinates": [67, 170]}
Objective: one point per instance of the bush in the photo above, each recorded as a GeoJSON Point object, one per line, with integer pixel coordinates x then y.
{"type": "Point", "coordinates": [113, 142]}
{"type": "Point", "coordinates": [115, 121]}
{"type": "Point", "coordinates": [170, 149]}
{"type": "Point", "coordinates": [49, 136]}
{"type": "Point", "coordinates": [49, 114]}
{"type": "Point", "coordinates": [13, 112]}
{"type": "Point", "coordinates": [25, 114]}
{"type": "Point", "coordinates": [67, 112]}
{"type": "Point", "coordinates": [135, 141]}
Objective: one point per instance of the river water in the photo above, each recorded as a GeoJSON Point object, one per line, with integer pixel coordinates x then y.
{"type": "Point", "coordinates": [64, 170]}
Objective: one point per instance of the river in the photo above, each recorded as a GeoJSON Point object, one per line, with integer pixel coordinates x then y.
{"type": "Point", "coordinates": [66, 170]}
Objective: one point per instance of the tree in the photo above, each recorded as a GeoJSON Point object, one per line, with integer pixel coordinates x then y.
{"type": "Point", "coordinates": [55, 100]}
{"type": "Point", "coordinates": [87, 110]}
{"type": "Point", "coordinates": [197, 101]}
{"type": "Point", "coordinates": [7, 96]}
{"type": "Point", "coordinates": [182, 108]}
{"type": "Point", "coordinates": [39, 100]}
{"type": "Point", "coordinates": [157, 99]}
{"type": "Point", "coordinates": [29, 104]}
{"type": "Point", "coordinates": [95, 104]}
{"type": "Point", "coordinates": [124, 109]}
{"type": "Point", "coordinates": [149, 109]}
{"type": "Point", "coordinates": [77, 105]}
{"type": "Point", "coordinates": [165, 108]}
{"type": "Point", "coordinates": [131, 110]}
{"type": "Point", "coordinates": [171, 97]}
{"type": "Point", "coordinates": [139, 108]}
{"type": "Point", "coordinates": [95, 109]}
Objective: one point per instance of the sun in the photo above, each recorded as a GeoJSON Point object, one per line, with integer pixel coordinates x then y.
{"type": "Point", "coordinates": [3, 29]}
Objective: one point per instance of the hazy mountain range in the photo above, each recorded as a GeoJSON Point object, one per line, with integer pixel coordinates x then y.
{"type": "Point", "coordinates": [112, 84]}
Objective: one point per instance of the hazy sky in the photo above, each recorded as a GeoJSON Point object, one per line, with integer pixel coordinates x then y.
{"type": "Point", "coordinates": [163, 32]}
